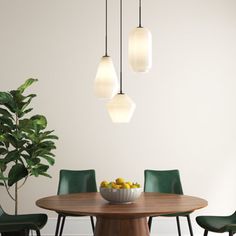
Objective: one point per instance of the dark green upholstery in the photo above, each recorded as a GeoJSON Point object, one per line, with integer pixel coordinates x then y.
{"type": "Point", "coordinates": [162, 181]}
{"type": "Point", "coordinates": [218, 224]}
{"type": "Point", "coordinates": [13, 223]}
{"type": "Point", "coordinates": [74, 181]}
{"type": "Point", "coordinates": [165, 181]}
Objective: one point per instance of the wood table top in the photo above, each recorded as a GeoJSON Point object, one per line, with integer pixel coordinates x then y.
{"type": "Point", "coordinates": [149, 204]}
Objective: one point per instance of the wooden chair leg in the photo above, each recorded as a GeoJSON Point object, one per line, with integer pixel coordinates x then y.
{"type": "Point", "coordinates": [190, 225]}
{"type": "Point", "coordinates": [150, 223]}
{"type": "Point", "coordinates": [58, 224]}
{"type": "Point", "coordinates": [62, 225]}
{"type": "Point", "coordinates": [205, 232]}
{"type": "Point", "coordinates": [178, 225]}
{"type": "Point", "coordinates": [92, 223]}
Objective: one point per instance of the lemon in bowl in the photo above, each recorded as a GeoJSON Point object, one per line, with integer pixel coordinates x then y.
{"type": "Point", "coordinates": [120, 191]}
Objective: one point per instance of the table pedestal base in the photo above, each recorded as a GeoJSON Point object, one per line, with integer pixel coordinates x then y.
{"type": "Point", "coordinates": [106, 226]}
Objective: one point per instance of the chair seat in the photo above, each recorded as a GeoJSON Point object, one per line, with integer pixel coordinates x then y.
{"type": "Point", "coordinates": [218, 224]}
{"type": "Point", "coordinates": [10, 223]}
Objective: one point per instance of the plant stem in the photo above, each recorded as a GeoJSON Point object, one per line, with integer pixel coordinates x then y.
{"type": "Point", "coordinates": [16, 199]}
{"type": "Point", "coordinates": [5, 184]}
{"type": "Point", "coordinates": [16, 184]}
{"type": "Point", "coordinates": [23, 182]}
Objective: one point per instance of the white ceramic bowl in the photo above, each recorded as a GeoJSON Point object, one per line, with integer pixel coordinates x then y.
{"type": "Point", "coordinates": [120, 196]}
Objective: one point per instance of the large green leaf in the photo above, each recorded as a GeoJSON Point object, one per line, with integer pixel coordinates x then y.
{"type": "Point", "coordinates": [40, 169]}
{"type": "Point", "coordinates": [51, 137]}
{"type": "Point", "coordinates": [12, 140]}
{"type": "Point", "coordinates": [3, 151]}
{"type": "Point", "coordinates": [2, 177]}
{"type": "Point", "coordinates": [26, 125]}
{"type": "Point", "coordinates": [49, 159]}
{"type": "Point", "coordinates": [27, 83]}
{"type": "Point", "coordinates": [7, 100]}
{"type": "Point", "coordinates": [3, 167]}
{"type": "Point", "coordinates": [4, 120]}
{"type": "Point", "coordinates": [2, 138]}
{"type": "Point", "coordinates": [39, 121]}
{"type": "Point", "coordinates": [16, 173]}
{"type": "Point", "coordinates": [48, 145]}
{"type": "Point", "coordinates": [12, 156]}
{"type": "Point", "coordinates": [30, 97]}
{"type": "Point", "coordinates": [21, 102]}
{"type": "Point", "coordinates": [33, 161]}
{"type": "Point", "coordinates": [45, 174]}
{"type": "Point", "coordinates": [5, 113]}
{"type": "Point", "coordinates": [26, 111]}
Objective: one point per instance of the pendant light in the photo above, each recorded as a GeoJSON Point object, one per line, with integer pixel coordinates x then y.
{"type": "Point", "coordinates": [140, 47]}
{"type": "Point", "coordinates": [106, 84]}
{"type": "Point", "coordinates": [121, 107]}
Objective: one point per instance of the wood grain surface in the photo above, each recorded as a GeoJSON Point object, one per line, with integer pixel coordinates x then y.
{"type": "Point", "coordinates": [147, 205]}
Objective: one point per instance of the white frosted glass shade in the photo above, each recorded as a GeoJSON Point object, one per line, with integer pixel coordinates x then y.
{"type": "Point", "coordinates": [140, 49]}
{"type": "Point", "coordinates": [106, 83]}
{"type": "Point", "coordinates": [121, 108]}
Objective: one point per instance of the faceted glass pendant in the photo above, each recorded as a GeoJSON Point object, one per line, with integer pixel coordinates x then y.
{"type": "Point", "coordinates": [140, 49]}
{"type": "Point", "coordinates": [106, 83]}
{"type": "Point", "coordinates": [121, 108]}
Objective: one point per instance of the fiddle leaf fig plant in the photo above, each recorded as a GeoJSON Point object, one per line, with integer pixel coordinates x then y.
{"type": "Point", "coordinates": [25, 144]}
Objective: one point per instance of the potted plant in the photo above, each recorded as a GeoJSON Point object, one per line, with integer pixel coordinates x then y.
{"type": "Point", "coordinates": [25, 144]}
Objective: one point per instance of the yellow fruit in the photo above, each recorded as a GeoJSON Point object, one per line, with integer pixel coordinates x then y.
{"type": "Point", "coordinates": [116, 186]}
{"type": "Point", "coordinates": [120, 181]}
{"type": "Point", "coordinates": [104, 184]}
{"type": "Point", "coordinates": [125, 186]}
{"type": "Point", "coordinates": [136, 185]}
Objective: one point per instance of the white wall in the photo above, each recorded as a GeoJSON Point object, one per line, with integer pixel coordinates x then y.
{"type": "Point", "coordinates": [186, 105]}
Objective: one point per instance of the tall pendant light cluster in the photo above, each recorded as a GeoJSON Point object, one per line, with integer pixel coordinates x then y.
{"type": "Point", "coordinates": [121, 107]}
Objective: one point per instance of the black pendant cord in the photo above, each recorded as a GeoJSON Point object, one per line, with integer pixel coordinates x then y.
{"type": "Point", "coordinates": [121, 69]}
{"type": "Point", "coordinates": [106, 28]}
{"type": "Point", "coordinates": [140, 15]}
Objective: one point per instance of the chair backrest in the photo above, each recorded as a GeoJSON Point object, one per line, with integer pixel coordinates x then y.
{"type": "Point", "coordinates": [76, 181]}
{"type": "Point", "coordinates": [163, 181]}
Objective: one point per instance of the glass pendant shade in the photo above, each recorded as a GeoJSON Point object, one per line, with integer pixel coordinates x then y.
{"type": "Point", "coordinates": [106, 83]}
{"type": "Point", "coordinates": [140, 49]}
{"type": "Point", "coordinates": [121, 108]}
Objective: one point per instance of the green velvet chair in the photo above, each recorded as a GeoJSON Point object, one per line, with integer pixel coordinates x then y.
{"type": "Point", "coordinates": [165, 181]}
{"type": "Point", "coordinates": [21, 224]}
{"type": "Point", "coordinates": [218, 224]}
{"type": "Point", "coordinates": [74, 181]}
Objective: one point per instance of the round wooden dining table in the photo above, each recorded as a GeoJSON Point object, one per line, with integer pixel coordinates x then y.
{"type": "Point", "coordinates": [121, 219]}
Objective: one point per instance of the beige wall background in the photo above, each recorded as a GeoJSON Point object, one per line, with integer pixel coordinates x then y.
{"type": "Point", "coordinates": [186, 105]}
